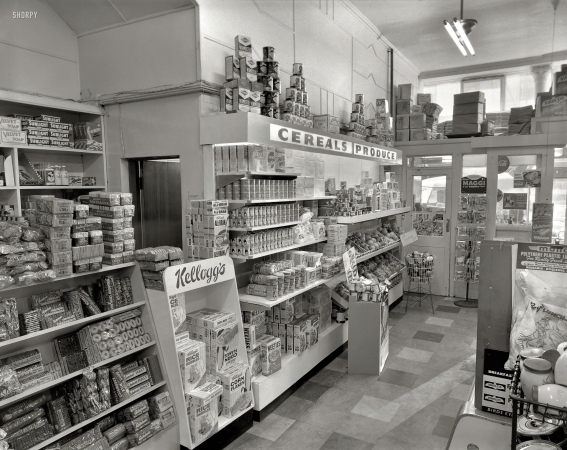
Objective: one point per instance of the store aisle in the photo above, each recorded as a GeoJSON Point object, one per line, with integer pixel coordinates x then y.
{"type": "Point", "coordinates": [412, 405]}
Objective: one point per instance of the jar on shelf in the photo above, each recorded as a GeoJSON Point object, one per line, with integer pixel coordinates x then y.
{"type": "Point", "coordinates": [536, 372]}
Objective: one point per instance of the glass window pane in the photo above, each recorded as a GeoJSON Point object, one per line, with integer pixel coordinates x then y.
{"type": "Point", "coordinates": [474, 165]}
{"type": "Point", "coordinates": [442, 94]}
{"type": "Point", "coordinates": [520, 90]}
{"type": "Point", "coordinates": [430, 161]}
{"type": "Point", "coordinates": [491, 88]}
{"type": "Point", "coordinates": [429, 204]}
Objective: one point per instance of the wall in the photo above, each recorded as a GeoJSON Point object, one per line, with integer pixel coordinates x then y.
{"type": "Point", "coordinates": [152, 53]}
{"type": "Point", "coordinates": [342, 54]}
{"type": "Point", "coordinates": [38, 55]}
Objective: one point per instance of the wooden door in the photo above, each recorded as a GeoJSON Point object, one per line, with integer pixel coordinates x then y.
{"type": "Point", "coordinates": [161, 208]}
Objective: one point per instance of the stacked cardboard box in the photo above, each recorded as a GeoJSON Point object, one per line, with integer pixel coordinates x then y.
{"type": "Point", "coordinates": [500, 120]}
{"type": "Point", "coordinates": [311, 167]}
{"type": "Point", "coordinates": [207, 229]}
{"type": "Point", "coordinates": [468, 113]}
{"type": "Point", "coordinates": [356, 126]}
{"type": "Point", "coordinates": [379, 130]}
{"type": "Point", "coordinates": [296, 107]}
{"type": "Point", "coordinates": [520, 120]}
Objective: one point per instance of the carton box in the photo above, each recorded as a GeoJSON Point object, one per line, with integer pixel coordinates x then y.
{"type": "Point", "coordinates": [327, 122]}
{"type": "Point", "coordinates": [423, 99]}
{"type": "Point", "coordinates": [13, 137]}
{"type": "Point", "coordinates": [10, 123]}
{"type": "Point", "coordinates": [402, 135]}
{"type": "Point", "coordinates": [243, 46]}
{"type": "Point", "coordinates": [403, 122]}
{"type": "Point", "coordinates": [555, 106]}
{"type": "Point", "coordinates": [271, 355]}
{"type": "Point", "coordinates": [231, 68]}
{"type": "Point", "coordinates": [468, 108]}
{"type": "Point", "coordinates": [242, 157]}
{"type": "Point", "coordinates": [280, 331]}
{"type": "Point", "coordinates": [224, 347]}
{"type": "Point", "coordinates": [468, 118]}
{"type": "Point", "coordinates": [203, 412]}
{"type": "Point", "coordinates": [561, 82]}
{"type": "Point", "coordinates": [466, 128]}
{"type": "Point", "coordinates": [299, 335]}
{"type": "Point", "coordinates": [237, 390]}
{"type": "Point", "coordinates": [255, 360]}
{"type": "Point", "coordinates": [417, 121]}
{"type": "Point", "coordinates": [255, 99]}
{"type": "Point", "coordinates": [418, 134]}
{"type": "Point", "coordinates": [469, 97]}
{"type": "Point", "coordinates": [226, 100]}
{"type": "Point", "coordinates": [232, 159]}
{"type": "Point", "coordinates": [406, 91]}
{"type": "Point", "coordinates": [248, 69]}
{"type": "Point", "coordinates": [269, 158]}
{"type": "Point", "coordinates": [404, 106]}
{"type": "Point", "coordinates": [192, 362]}
{"type": "Point", "coordinates": [382, 106]}
{"type": "Point", "coordinates": [241, 100]}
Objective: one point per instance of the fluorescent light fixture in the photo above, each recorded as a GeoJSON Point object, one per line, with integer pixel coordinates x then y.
{"type": "Point", "coordinates": [463, 35]}
{"type": "Point", "coordinates": [455, 38]}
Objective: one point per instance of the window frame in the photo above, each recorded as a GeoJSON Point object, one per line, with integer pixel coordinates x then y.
{"type": "Point", "coordinates": [501, 78]}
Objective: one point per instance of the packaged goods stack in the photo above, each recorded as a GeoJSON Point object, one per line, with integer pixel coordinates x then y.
{"type": "Point", "coordinates": [115, 210]}
{"type": "Point", "coordinates": [404, 108]}
{"type": "Point", "coordinates": [379, 130]}
{"type": "Point", "coordinates": [207, 229]}
{"type": "Point", "coordinates": [448, 128]}
{"type": "Point", "coordinates": [311, 167]}
{"type": "Point", "coordinates": [88, 136]}
{"type": "Point", "coordinates": [520, 120]}
{"type": "Point", "coordinates": [11, 132]}
{"type": "Point", "coordinates": [327, 122]}
{"type": "Point", "coordinates": [548, 105]}
{"type": "Point", "coordinates": [296, 107]}
{"type": "Point", "coordinates": [468, 113]}
{"type": "Point", "coordinates": [23, 248]}
{"type": "Point", "coordinates": [257, 216]}
{"type": "Point", "coordinates": [32, 421]}
{"type": "Point", "coordinates": [357, 127]}
{"type": "Point", "coordinates": [45, 130]}
{"type": "Point", "coordinates": [422, 123]}
{"type": "Point", "coordinates": [154, 260]}
{"type": "Point", "coordinates": [500, 120]}
{"type": "Point", "coordinates": [350, 202]}
{"type": "Point", "coordinates": [215, 381]}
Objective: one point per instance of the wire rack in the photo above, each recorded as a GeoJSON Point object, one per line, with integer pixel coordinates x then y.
{"type": "Point", "coordinates": [420, 268]}
{"type": "Point", "coordinates": [537, 413]}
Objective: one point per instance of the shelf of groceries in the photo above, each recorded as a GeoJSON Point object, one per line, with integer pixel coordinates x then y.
{"type": "Point", "coordinates": [349, 220]}
{"type": "Point", "coordinates": [281, 200]}
{"type": "Point", "coordinates": [277, 250]}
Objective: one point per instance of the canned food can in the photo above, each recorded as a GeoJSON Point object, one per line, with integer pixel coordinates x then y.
{"type": "Point", "coordinates": [272, 98]}
{"type": "Point", "coordinates": [287, 116]}
{"type": "Point", "coordinates": [302, 84]}
{"type": "Point", "coordinates": [276, 112]}
{"type": "Point", "coordinates": [268, 82]}
{"type": "Point", "coordinates": [359, 98]}
{"type": "Point", "coordinates": [269, 53]}
{"type": "Point", "coordinates": [222, 193]}
{"type": "Point", "coordinates": [229, 192]}
{"type": "Point", "coordinates": [277, 85]}
{"type": "Point", "coordinates": [291, 93]}
{"type": "Point", "coordinates": [308, 112]}
{"type": "Point", "coordinates": [267, 111]}
{"type": "Point", "coordinates": [274, 68]}
{"type": "Point", "coordinates": [289, 106]}
{"type": "Point", "coordinates": [295, 81]}
{"type": "Point", "coordinates": [301, 110]}
{"type": "Point", "coordinates": [298, 69]}
{"type": "Point", "coordinates": [304, 98]}
{"type": "Point", "coordinates": [297, 109]}
{"type": "Point", "coordinates": [262, 67]}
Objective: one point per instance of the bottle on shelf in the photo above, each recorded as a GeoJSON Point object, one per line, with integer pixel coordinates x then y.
{"type": "Point", "coordinates": [57, 175]}
{"type": "Point", "coordinates": [64, 176]}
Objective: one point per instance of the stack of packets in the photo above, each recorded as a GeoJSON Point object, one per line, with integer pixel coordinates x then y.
{"type": "Point", "coordinates": [207, 229]}
{"type": "Point", "coordinates": [468, 113]}
{"type": "Point", "coordinates": [35, 420]}
{"type": "Point", "coordinates": [88, 136]}
{"type": "Point", "coordinates": [41, 130]}
{"type": "Point", "coordinates": [251, 86]}
{"type": "Point", "coordinates": [215, 380]}
{"type": "Point", "coordinates": [296, 330]}
{"type": "Point", "coordinates": [295, 106]}
{"type": "Point", "coordinates": [520, 120]}
{"type": "Point", "coordinates": [251, 157]}
{"type": "Point", "coordinates": [23, 260]}
{"type": "Point", "coordinates": [500, 120]}
{"type": "Point", "coordinates": [379, 130]}
{"type": "Point", "coordinates": [274, 279]}
{"type": "Point", "coordinates": [115, 210]}
{"type": "Point", "coordinates": [22, 371]}
{"type": "Point", "coordinates": [154, 260]}
{"type": "Point", "coordinates": [259, 189]}
{"type": "Point", "coordinates": [421, 122]}
{"type": "Point", "coordinates": [256, 216]}
{"type": "Point", "coordinates": [263, 350]}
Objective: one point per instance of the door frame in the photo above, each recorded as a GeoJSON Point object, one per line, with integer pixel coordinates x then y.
{"type": "Point", "coordinates": [449, 213]}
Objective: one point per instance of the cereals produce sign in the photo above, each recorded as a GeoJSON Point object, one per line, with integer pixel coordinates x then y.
{"type": "Point", "coordinates": [289, 135]}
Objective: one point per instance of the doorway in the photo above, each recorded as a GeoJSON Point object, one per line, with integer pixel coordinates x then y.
{"type": "Point", "coordinates": [431, 211]}
{"type": "Point", "coordinates": [156, 187]}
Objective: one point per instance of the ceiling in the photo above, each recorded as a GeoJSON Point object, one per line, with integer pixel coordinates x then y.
{"type": "Point", "coordinates": [506, 30]}
{"type": "Point", "coordinates": [86, 16]}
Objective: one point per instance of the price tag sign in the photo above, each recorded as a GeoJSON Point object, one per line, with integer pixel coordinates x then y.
{"type": "Point", "coordinates": [408, 238]}
{"type": "Point", "coordinates": [349, 261]}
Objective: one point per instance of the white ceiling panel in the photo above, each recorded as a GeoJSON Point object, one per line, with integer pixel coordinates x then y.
{"type": "Point", "coordinates": [136, 9]}
{"type": "Point", "coordinates": [506, 30]}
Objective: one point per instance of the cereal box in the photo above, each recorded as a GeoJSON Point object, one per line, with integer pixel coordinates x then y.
{"type": "Point", "coordinates": [223, 347]}
{"type": "Point", "coordinates": [271, 354]}
{"type": "Point", "coordinates": [237, 389]}
{"type": "Point", "coordinates": [203, 414]}
{"type": "Point", "coordinates": [255, 360]}
{"type": "Point", "coordinates": [250, 335]}
{"type": "Point", "coordinates": [282, 334]}
{"type": "Point", "coordinates": [192, 362]}
{"type": "Point", "coordinates": [312, 330]}
{"type": "Point", "coordinates": [299, 335]}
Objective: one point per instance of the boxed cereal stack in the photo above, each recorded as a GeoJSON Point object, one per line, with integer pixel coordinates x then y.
{"type": "Point", "coordinates": [320, 303]}
{"type": "Point", "coordinates": [154, 260]}
{"type": "Point", "coordinates": [207, 229]}
{"type": "Point", "coordinates": [356, 126]}
{"type": "Point", "coordinates": [296, 107]}
{"type": "Point", "coordinates": [115, 212]}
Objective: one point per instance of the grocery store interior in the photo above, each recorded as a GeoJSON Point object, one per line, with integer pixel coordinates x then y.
{"type": "Point", "coordinates": [283, 224]}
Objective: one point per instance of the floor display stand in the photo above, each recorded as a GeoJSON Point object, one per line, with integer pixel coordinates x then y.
{"type": "Point", "coordinates": [44, 342]}
{"type": "Point", "coordinates": [208, 283]}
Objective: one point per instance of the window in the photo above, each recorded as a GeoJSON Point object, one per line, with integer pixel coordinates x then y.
{"type": "Point", "coordinates": [492, 88]}
{"type": "Point", "coordinates": [520, 90]}
{"type": "Point", "coordinates": [442, 94]}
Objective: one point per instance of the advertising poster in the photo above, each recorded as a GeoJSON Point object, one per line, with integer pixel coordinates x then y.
{"type": "Point", "coordinates": [473, 184]}
{"type": "Point", "coordinates": [515, 201]}
{"type": "Point", "coordinates": [539, 299]}
{"type": "Point", "coordinates": [542, 222]}
{"type": "Point", "coordinates": [496, 383]}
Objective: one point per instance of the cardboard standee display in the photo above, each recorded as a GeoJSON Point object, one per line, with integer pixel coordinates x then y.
{"type": "Point", "coordinates": [208, 283]}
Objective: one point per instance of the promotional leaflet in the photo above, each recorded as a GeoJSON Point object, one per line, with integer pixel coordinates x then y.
{"type": "Point", "coordinates": [515, 201]}
{"type": "Point", "coordinates": [542, 223]}
{"type": "Point", "coordinates": [351, 269]}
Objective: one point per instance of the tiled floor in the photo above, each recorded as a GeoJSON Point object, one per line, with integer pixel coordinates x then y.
{"type": "Point", "coordinates": [413, 403]}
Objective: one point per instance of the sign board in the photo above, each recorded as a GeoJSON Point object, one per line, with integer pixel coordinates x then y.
{"type": "Point", "coordinates": [206, 272]}
{"type": "Point", "coordinates": [349, 260]}
{"type": "Point", "coordinates": [288, 135]}
{"type": "Point", "coordinates": [542, 222]}
{"type": "Point", "coordinates": [532, 178]}
{"type": "Point", "coordinates": [515, 201]}
{"type": "Point", "coordinates": [548, 258]}
{"type": "Point", "coordinates": [408, 238]}
{"type": "Point", "coordinates": [473, 184]}
{"type": "Point", "coordinates": [503, 164]}
{"type": "Point", "coordinates": [496, 383]}
{"type": "Point", "coordinates": [519, 181]}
